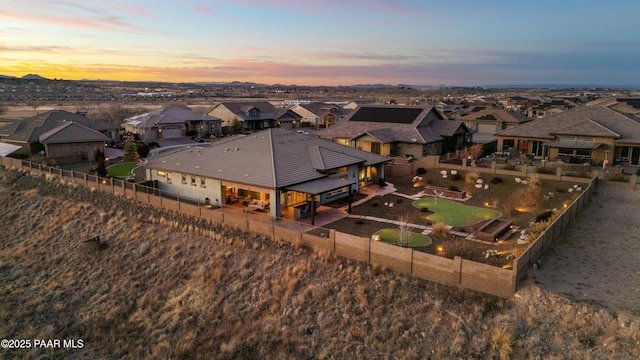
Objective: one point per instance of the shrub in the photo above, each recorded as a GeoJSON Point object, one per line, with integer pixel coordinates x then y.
{"type": "Point", "coordinates": [502, 342]}
{"type": "Point", "coordinates": [421, 171]}
{"type": "Point", "coordinates": [358, 222]}
{"type": "Point", "coordinates": [617, 177]}
{"type": "Point", "coordinates": [471, 177]}
{"type": "Point", "coordinates": [496, 180]}
{"type": "Point", "coordinates": [453, 188]}
{"type": "Point", "coordinates": [375, 204]}
{"type": "Point", "coordinates": [456, 177]}
{"type": "Point", "coordinates": [560, 191]}
{"type": "Point", "coordinates": [424, 209]}
{"type": "Point", "coordinates": [544, 216]}
{"type": "Point", "coordinates": [509, 167]}
{"type": "Point", "coordinates": [399, 200]}
{"type": "Point", "coordinates": [638, 172]}
{"type": "Point", "coordinates": [439, 228]}
{"type": "Point", "coordinates": [535, 181]}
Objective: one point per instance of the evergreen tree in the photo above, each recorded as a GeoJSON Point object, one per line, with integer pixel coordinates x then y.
{"type": "Point", "coordinates": [236, 127]}
{"type": "Point", "coordinates": [131, 152]}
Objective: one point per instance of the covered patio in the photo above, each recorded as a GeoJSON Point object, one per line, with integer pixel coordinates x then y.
{"type": "Point", "coordinates": [318, 192]}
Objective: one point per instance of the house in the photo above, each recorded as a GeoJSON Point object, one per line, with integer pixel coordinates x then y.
{"type": "Point", "coordinates": [586, 134]}
{"type": "Point", "coordinates": [287, 119]}
{"type": "Point", "coordinates": [275, 169]}
{"type": "Point", "coordinates": [172, 122]}
{"type": "Point", "coordinates": [399, 131]}
{"type": "Point", "coordinates": [67, 137]}
{"type": "Point", "coordinates": [550, 108]}
{"type": "Point", "coordinates": [319, 115]}
{"type": "Point", "coordinates": [254, 115]}
{"type": "Point", "coordinates": [486, 121]}
{"type": "Point", "coordinates": [629, 106]}
{"type": "Point", "coordinates": [70, 139]}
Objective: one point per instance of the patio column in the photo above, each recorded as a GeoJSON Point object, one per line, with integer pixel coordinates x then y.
{"type": "Point", "coordinates": [313, 210]}
{"type": "Point", "coordinates": [350, 199]}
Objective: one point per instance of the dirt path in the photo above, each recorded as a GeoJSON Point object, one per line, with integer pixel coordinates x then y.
{"type": "Point", "coordinates": [598, 257]}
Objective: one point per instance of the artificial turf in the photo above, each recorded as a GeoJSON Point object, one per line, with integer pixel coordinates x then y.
{"type": "Point", "coordinates": [415, 239]}
{"type": "Point", "coordinates": [453, 213]}
{"type": "Point", "coordinates": [121, 170]}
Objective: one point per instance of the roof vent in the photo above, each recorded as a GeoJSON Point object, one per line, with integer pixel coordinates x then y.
{"type": "Point", "coordinates": [226, 149]}
{"type": "Point", "coordinates": [236, 149]}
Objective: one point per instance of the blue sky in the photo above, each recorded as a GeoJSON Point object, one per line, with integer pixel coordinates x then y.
{"type": "Point", "coordinates": [330, 42]}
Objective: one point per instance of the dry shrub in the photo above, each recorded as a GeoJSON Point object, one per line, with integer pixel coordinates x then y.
{"type": "Point", "coordinates": [502, 341]}
{"type": "Point", "coordinates": [439, 228]}
{"type": "Point", "coordinates": [535, 181]}
{"type": "Point", "coordinates": [471, 177]}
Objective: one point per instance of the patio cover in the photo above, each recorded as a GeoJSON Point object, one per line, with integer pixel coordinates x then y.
{"type": "Point", "coordinates": [573, 144]}
{"type": "Point", "coordinates": [320, 186]}
{"type": "Point", "coordinates": [6, 149]}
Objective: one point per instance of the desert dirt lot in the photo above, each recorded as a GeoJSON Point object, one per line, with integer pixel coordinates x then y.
{"type": "Point", "coordinates": [161, 285]}
{"type": "Point", "coordinates": [598, 258]}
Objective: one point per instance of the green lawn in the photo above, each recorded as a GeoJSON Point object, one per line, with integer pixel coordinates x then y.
{"type": "Point", "coordinates": [391, 235]}
{"type": "Point", "coordinates": [121, 170]}
{"type": "Point", "coordinates": [453, 213]}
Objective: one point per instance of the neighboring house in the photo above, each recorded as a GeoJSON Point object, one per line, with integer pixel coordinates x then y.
{"type": "Point", "coordinates": [254, 115]}
{"type": "Point", "coordinates": [551, 108]}
{"type": "Point", "coordinates": [80, 140]}
{"type": "Point", "coordinates": [351, 105]}
{"type": "Point", "coordinates": [629, 106]}
{"type": "Point", "coordinates": [399, 131]}
{"type": "Point", "coordinates": [486, 121]}
{"type": "Point", "coordinates": [275, 168]}
{"type": "Point", "coordinates": [70, 139]}
{"type": "Point", "coordinates": [172, 122]}
{"type": "Point", "coordinates": [585, 134]}
{"type": "Point", "coordinates": [319, 115]}
{"type": "Point", "coordinates": [287, 119]}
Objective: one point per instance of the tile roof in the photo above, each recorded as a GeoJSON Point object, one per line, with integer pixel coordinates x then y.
{"type": "Point", "coordinates": [70, 132]}
{"type": "Point", "coordinates": [242, 109]}
{"type": "Point", "coordinates": [400, 129]}
{"type": "Point", "coordinates": [595, 120]}
{"type": "Point", "coordinates": [489, 113]}
{"type": "Point", "coordinates": [29, 129]}
{"type": "Point", "coordinates": [272, 158]}
{"type": "Point", "coordinates": [167, 115]}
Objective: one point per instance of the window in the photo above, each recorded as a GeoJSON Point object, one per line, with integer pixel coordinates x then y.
{"type": "Point", "coordinates": [193, 180]}
{"type": "Point", "coordinates": [168, 177]}
{"type": "Point", "coordinates": [536, 148]}
{"type": "Point", "coordinates": [184, 179]}
{"type": "Point", "coordinates": [375, 148]}
{"type": "Point", "coordinates": [161, 173]}
{"type": "Point", "coordinates": [203, 183]}
{"type": "Point", "coordinates": [567, 138]}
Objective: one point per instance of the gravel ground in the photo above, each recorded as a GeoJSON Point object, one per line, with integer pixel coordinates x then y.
{"type": "Point", "coordinates": [597, 259]}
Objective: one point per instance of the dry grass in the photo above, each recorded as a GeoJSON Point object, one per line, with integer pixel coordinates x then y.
{"type": "Point", "coordinates": [173, 287]}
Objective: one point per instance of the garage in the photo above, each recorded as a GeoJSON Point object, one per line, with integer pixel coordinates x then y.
{"type": "Point", "coordinates": [171, 132]}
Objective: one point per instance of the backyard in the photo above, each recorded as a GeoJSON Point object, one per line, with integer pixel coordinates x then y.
{"type": "Point", "coordinates": [519, 200]}
{"type": "Point", "coordinates": [121, 170]}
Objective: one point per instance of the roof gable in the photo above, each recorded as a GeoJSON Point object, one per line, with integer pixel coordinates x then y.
{"type": "Point", "coordinates": [71, 132]}
{"type": "Point", "coordinates": [616, 123]}
{"type": "Point", "coordinates": [326, 159]}
{"type": "Point", "coordinates": [586, 128]}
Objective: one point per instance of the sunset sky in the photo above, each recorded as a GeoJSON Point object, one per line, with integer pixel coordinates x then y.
{"type": "Point", "coordinates": [325, 42]}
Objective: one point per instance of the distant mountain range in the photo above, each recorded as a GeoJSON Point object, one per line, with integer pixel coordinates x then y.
{"type": "Point", "coordinates": [26, 77]}
{"type": "Point", "coordinates": [380, 86]}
